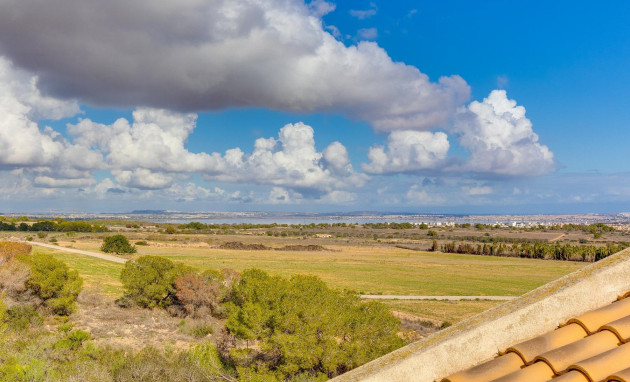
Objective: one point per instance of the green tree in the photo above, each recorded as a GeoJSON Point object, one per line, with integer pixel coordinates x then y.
{"type": "Point", "coordinates": [53, 282]}
{"type": "Point", "coordinates": [149, 280]}
{"type": "Point", "coordinates": [117, 244]}
{"type": "Point", "coordinates": [301, 327]}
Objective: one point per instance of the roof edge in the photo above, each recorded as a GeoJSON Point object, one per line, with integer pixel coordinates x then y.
{"type": "Point", "coordinates": [480, 337]}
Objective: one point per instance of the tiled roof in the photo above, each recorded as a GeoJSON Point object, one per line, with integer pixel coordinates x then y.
{"type": "Point", "coordinates": [592, 347]}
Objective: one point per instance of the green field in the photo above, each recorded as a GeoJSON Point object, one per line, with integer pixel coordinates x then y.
{"type": "Point", "coordinates": [359, 268]}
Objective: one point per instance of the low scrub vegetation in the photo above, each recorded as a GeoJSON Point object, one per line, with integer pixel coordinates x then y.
{"type": "Point", "coordinates": [277, 329]}
{"type": "Point", "coordinates": [9, 250]}
{"type": "Point", "coordinates": [38, 281]}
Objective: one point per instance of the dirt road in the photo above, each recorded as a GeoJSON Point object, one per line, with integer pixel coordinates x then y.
{"type": "Point", "coordinates": [102, 256]}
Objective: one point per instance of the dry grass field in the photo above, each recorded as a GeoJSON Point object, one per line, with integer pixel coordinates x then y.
{"type": "Point", "coordinates": [362, 266]}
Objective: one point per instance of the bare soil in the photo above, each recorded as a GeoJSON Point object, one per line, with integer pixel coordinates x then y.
{"type": "Point", "coordinates": [135, 328]}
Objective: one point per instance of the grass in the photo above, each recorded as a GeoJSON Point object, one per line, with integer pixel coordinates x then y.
{"type": "Point", "coordinates": [96, 273]}
{"type": "Point", "coordinates": [451, 311]}
{"type": "Point", "coordinates": [364, 269]}
{"type": "Point", "coordinates": [387, 270]}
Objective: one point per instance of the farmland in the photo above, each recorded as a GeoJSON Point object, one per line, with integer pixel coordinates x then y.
{"type": "Point", "coordinates": [362, 266]}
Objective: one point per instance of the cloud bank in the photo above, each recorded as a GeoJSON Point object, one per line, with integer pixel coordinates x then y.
{"type": "Point", "coordinates": [195, 55]}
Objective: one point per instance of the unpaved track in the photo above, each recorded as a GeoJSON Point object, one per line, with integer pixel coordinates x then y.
{"type": "Point", "coordinates": [557, 237]}
{"type": "Point", "coordinates": [449, 298]}
{"type": "Point", "coordinates": [101, 256]}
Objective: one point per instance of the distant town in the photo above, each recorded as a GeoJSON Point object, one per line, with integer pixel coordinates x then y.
{"type": "Point", "coordinates": [619, 220]}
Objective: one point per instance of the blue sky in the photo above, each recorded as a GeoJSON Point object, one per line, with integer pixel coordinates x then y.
{"type": "Point", "coordinates": [454, 106]}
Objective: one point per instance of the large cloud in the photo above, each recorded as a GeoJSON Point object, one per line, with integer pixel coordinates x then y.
{"type": "Point", "coordinates": [196, 55]}
{"type": "Point", "coordinates": [292, 161]}
{"type": "Point", "coordinates": [500, 138]}
{"type": "Point", "coordinates": [408, 151]}
{"type": "Point", "coordinates": [150, 153]}
{"type": "Point", "coordinates": [154, 140]}
{"type": "Point", "coordinates": [24, 145]}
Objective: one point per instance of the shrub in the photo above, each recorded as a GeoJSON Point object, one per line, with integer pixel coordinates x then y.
{"type": "Point", "coordinates": [201, 331]}
{"type": "Point", "coordinates": [197, 295]}
{"type": "Point", "coordinates": [11, 249]}
{"type": "Point", "coordinates": [21, 317]}
{"type": "Point", "coordinates": [117, 244]}
{"type": "Point", "coordinates": [141, 242]}
{"type": "Point", "coordinates": [303, 328]}
{"type": "Point", "coordinates": [3, 315]}
{"type": "Point", "coordinates": [73, 341]}
{"type": "Point", "coordinates": [149, 280]}
{"type": "Point", "coordinates": [54, 283]}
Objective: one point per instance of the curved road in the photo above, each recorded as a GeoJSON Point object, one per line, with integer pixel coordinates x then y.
{"type": "Point", "coordinates": [101, 256]}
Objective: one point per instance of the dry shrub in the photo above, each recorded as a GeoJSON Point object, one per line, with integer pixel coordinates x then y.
{"type": "Point", "coordinates": [197, 296]}
{"type": "Point", "coordinates": [91, 297]}
{"type": "Point", "coordinates": [230, 277]}
{"type": "Point", "coordinates": [11, 249]}
{"type": "Point", "coordinates": [13, 278]}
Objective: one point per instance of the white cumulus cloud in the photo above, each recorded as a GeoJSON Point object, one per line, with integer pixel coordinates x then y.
{"type": "Point", "coordinates": [41, 151]}
{"type": "Point", "coordinates": [408, 151]}
{"type": "Point", "coordinates": [500, 138]}
{"type": "Point", "coordinates": [155, 140]}
{"type": "Point", "coordinates": [292, 161]}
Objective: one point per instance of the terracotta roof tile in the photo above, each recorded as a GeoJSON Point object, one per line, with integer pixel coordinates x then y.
{"type": "Point", "coordinates": [488, 371]}
{"type": "Point", "coordinates": [599, 367]}
{"type": "Point", "coordinates": [621, 376]}
{"type": "Point", "coordinates": [595, 319]}
{"type": "Point", "coordinates": [538, 372]}
{"type": "Point", "coordinates": [594, 346]}
{"type": "Point", "coordinates": [572, 376]}
{"type": "Point", "coordinates": [561, 358]}
{"type": "Point", "coordinates": [620, 327]}
{"type": "Point", "coordinates": [528, 350]}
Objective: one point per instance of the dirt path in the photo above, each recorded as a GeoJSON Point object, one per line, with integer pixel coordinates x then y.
{"type": "Point", "coordinates": [449, 298]}
{"type": "Point", "coordinates": [557, 237]}
{"type": "Point", "coordinates": [101, 256]}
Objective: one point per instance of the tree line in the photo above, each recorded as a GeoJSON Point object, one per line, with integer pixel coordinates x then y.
{"type": "Point", "coordinates": [588, 253]}
{"type": "Point", "coordinates": [53, 226]}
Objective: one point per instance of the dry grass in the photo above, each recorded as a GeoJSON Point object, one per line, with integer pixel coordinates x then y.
{"type": "Point", "coordinates": [441, 310]}
{"type": "Point", "coordinates": [367, 268]}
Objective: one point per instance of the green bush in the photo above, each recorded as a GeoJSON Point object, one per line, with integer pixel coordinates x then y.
{"type": "Point", "coordinates": [20, 317]}
{"type": "Point", "coordinates": [301, 327]}
{"type": "Point", "coordinates": [117, 244]}
{"type": "Point", "coordinates": [73, 341]}
{"type": "Point", "coordinates": [142, 242]}
{"type": "Point", "coordinates": [53, 282]}
{"type": "Point", "coordinates": [201, 331]}
{"type": "Point", "coordinates": [149, 280]}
